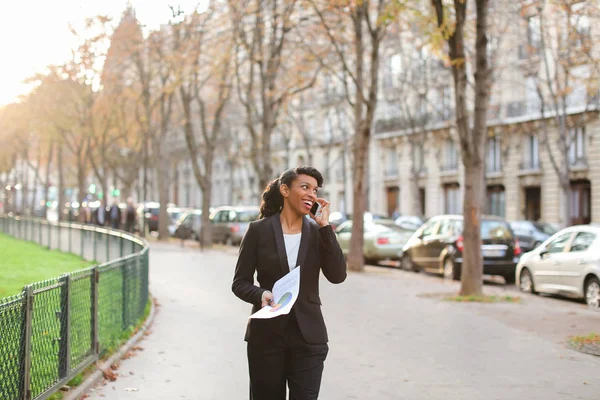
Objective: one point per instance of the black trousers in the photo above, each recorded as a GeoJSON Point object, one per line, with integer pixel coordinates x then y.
{"type": "Point", "coordinates": [286, 359]}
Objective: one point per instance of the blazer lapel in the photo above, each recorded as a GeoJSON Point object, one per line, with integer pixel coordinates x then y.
{"type": "Point", "coordinates": [283, 263]}
{"type": "Point", "coordinates": [304, 242]}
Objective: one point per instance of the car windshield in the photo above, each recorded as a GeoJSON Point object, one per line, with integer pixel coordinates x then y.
{"type": "Point", "coordinates": [175, 215]}
{"type": "Point", "coordinates": [247, 216]}
{"type": "Point", "coordinates": [546, 228]}
{"type": "Point", "coordinates": [491, 229]}
{"type": "Point", "coordinates": [383, 226]}
{"type": "Point", "coordinates": [521, 228]}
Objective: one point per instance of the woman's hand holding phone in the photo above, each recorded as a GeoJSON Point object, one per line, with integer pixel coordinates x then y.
{"type": "Point", "coordinates": [321, 216]}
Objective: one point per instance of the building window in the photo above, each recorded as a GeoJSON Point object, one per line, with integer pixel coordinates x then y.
{"type": "Point", "coordinates": [447, 106]}
{"type": "Point", "coordinates": [531, 153]}
{"type": "Point", "coordinates": [392, 162]}
{"type": "Point", "coordinates": [450, 156]}
{"type": "Point", "coordinates": [452, 198]}
{"type": "Point", "coordinates": [580, 202]}
{"type": "Point", "coordinates": [534, 34]}
{"type": "Point", "coordinates": [579, 25]}
{"type": "Point", "coordinates": [577, 150]}
{"type": "Point", "coordinates": [496, 200]}
{"type": "Point", "coordinates": [418, 158]}
{"type": "Point", "coordinates": [494, 160]}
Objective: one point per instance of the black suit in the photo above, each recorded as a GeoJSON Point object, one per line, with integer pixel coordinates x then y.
{"type": "Point", "coordinates": [280, 341]}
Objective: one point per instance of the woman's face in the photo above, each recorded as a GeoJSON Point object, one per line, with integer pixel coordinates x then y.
{"type": "Point", "coordinates": [301, 194]}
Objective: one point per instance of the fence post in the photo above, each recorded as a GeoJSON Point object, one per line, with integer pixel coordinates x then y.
{"type": "Point", "coordinates": [125, 313]}
{"type": "Point", "coordinates": [95, 311]}
{"type": "Point", "coordinates": [26, 345]}
{"type": "Point", "coordinates": [49, 236]}
{"type": "Point", "coordinates": [64, 352]}
{"type": "Point", "coordinates": [122, 245]}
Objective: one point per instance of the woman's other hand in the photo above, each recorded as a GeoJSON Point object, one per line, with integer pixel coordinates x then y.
{"type": "Point", "coordinates": [267, 299]}
{"type": "Point", "coordinates": [322, 217]}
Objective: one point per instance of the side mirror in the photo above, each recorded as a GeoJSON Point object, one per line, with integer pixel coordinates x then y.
{"type": "Point", "coordinates": [543, 253]}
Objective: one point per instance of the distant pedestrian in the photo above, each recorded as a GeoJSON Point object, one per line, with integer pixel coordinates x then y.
{"type": "Point", "coordinates": [101, 215]}
{"type": "Point", "coordinates": [289, 349]}
{"type": "Point", "coordinates": [115, 215]}
{"type": "Point", "coordinates": [130, 216]}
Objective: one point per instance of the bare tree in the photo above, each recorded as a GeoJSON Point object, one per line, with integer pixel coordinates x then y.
{"type": "Point", "coordinates": [269, 70]}
{"type": "Point", "coordinates": [565, 67]}
{"type": "Point", "coordinates": [204, 84]}
{"type": "Point", "coordinates": [359, 58]}
{"type": "Point", "coordinates": [472, 133]}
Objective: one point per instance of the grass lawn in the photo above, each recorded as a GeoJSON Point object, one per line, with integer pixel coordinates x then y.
{"type": "Point", "coordinates": [22, 263]}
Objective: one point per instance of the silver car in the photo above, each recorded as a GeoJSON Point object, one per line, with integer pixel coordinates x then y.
{"type": "Point", "coordinates": [229, 224]}
{"type": "Point", "coordinates": [567, 263]}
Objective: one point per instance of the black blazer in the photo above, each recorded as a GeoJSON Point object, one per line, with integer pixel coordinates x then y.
{"type": "Point", "coordinates": [263, 250]}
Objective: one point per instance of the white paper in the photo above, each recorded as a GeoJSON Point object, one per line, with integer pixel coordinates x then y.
{"type": "Point", "coordinates": [285, 292]}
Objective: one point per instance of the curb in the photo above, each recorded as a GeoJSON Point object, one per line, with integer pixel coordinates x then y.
{"type": "Point", "coordinates": [97, 375]}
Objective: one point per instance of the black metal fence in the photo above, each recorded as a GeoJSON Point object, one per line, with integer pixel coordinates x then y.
{"type": "Point", "coordinates": [54, 329]}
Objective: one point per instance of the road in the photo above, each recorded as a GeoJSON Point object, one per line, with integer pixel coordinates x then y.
{"type": "Point", "coordinates": [392, 336]}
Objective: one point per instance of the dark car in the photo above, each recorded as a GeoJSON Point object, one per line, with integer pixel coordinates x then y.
{"type": "Point", "coordinates": [532, 233]}
{"type": "Point", "coordinates": [437, 246]}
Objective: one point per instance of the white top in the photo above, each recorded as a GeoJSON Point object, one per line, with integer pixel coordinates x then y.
{"type": "Point", "coordinates": [292, 245]}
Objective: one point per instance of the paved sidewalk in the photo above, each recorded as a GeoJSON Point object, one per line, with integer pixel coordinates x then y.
{"type": "Point", "coordinates": [390, 339]}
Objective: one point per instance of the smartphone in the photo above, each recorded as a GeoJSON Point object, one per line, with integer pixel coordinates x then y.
{"type": "Point", "coordinates": [315, 209]}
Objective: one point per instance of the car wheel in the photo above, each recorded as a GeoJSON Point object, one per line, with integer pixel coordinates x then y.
{"type": "Point", "coordinates": [370, 261]}
{"type": "Point", "coordinates": [407, 263]}
{"type": "Point", "coordinates": [448, 268]}
{"type": "Point", "coordinates": [592, 292]}
{"type": "Point", "coordinates": [526, 281]}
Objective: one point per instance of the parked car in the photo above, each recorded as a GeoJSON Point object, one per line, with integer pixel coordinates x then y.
{"type": "Point", "coordinates": [229, 224]}
{"type": "Point", "coordinates": [150, 211]}
{"type": "Point", "coordinates": [409, 222]}
{"type": "Point", "coordinates": [437, 246]}
{"type": "Point", "coordinates": [383, 240]}
{"type": "Point", "coordinates": [189, 224]}
{"type": "Point", "coordinates": [532, 233]}
{"type": "Point", "coordinates": [568, 263]}
{"type": "Point", "coordinates": [175, 214]}
{"type": "Point", "coordinates": [336, 218]}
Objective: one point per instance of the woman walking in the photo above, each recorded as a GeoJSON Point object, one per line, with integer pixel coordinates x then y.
{"type": "Point", "coordinates": [289, 349]}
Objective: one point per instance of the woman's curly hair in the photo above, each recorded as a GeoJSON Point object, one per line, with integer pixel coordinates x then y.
{"type": "Point", "coordinates": [272, 199]}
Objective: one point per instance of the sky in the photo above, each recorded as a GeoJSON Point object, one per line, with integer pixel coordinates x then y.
{"type": "Point", "coordinates": [35, 33]}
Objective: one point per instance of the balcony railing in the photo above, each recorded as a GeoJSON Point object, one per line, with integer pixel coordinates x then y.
{"type": "Point", "coordinates": [529, 165]}
{"type": "Point", "coordinates": [449, 166]}
{"type": "Point", "coordinates": [578, 162]}
{"type": "Point", "coordinates": [391, 173]}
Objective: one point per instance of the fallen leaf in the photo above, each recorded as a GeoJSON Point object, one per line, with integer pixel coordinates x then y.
{"type": "Point", "coordinates": [131, 390]}
{"type": "Point", "coordinates": [131, 373]}
{"type": "Point", "coordinates": [109, 375]}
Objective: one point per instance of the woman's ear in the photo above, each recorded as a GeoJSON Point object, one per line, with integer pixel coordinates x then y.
{"type": "Point", "coordinates": [284, 190]}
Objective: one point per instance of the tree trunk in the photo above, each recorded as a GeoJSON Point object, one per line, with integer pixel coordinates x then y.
{"type": "Point", "coordinates": [565, 193]}
{"type": "Point", "coordinates": [24, 184]}
{"type": "Point", "coordinates": [61, 183]}
{"type": "Point", "coordinates": [206, 230]}
{"type": "Point", "coordinates": [47, 183]}
{"type": "Point", "coordinates": [81, 175]}
{"type": "Point", "coordinates": [163, 195]}
{"type": "Point", "coordinates": [472, 266]}
{"type": "Point", "coordinates": [361, 154]}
